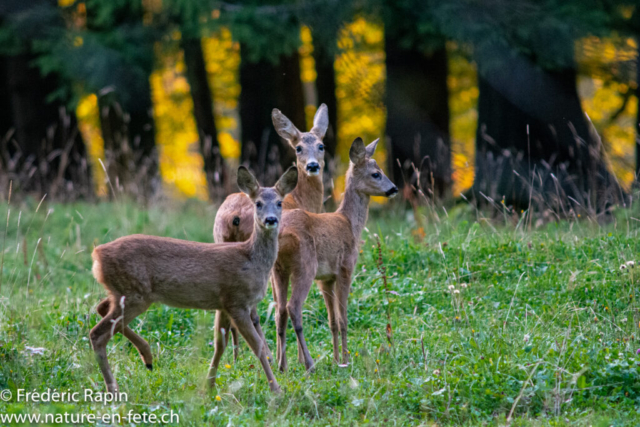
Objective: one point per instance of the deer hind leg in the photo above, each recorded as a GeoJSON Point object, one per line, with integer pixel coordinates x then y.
{"type": "Point", "coordinates": [115, 320]}
{"type": "Point", "coordinates": [244, 324]}
{"type": "Point", "coordinates": [140, 343]}
{"type": "Point", "coordinates": [301, 282]}
{"type": "Point", "coordinates": [328, 290]}
{"type": "Point", "coordinates": [280, 285]}
{"type": "Point", "coordinates": [343, 288]}
{"type": "Point", "coordinates": [222, 327]}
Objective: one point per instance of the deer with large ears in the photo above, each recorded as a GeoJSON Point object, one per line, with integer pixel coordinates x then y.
{"type": "Point", "coordinates": [325, 247]}
{"type": "Point", "coordinates": [234, 219]}
{"type": "Point", "coordinates": [231, 278]}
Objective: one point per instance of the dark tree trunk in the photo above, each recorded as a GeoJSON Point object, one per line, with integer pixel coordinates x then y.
{"type": "Point", "coordinates": [6, 114]}
{"type": "Point", "coordinates": [638, 117]}
{"type": "Point", "coordinates": [266, 86]}
{"type": "Point", "coordinates": [50, 151]}
{"type": "Point", "coordinates": [128, 132]}
{"type": "Point", "coordinates": [560, 150]}
{"type": "Point", "coordinates": [417, 100]}
{"type": "Point", "coordinates": [125, 102]}
{"type": "Point", "coordinates": [214, 166]}
{"type": "Point", "coordinates": [290, 100]}
{"type": "Point", "coordinates": [118, 154]}
{"type": "Point", "coordinates": [326, 89]}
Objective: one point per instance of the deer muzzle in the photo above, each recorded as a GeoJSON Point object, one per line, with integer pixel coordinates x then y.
{"type": "Point", "coordinates": [271, 222]}
{"type": "Point", "coordinates": [313, 168]}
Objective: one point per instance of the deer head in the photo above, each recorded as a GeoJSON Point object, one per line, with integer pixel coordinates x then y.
{"type": "Point", "coordinates": [308, 145]}
{"type": "Point", "coordinates": [267, 200]}
{"type": "Point", "coordinates": [366, 175]}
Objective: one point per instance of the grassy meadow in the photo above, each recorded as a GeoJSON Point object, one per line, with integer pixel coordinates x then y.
{"type": "Point", "coordinates": [491, 322]}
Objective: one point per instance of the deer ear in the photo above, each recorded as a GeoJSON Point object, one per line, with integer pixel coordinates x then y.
{"type": "Point", "coordinates": [358, 152]}
{"type": "Point", "coordinates": [287, 181]}
{"type": "Point", "coordinates": [321, 122]}
{"type": "Point", "coordinates": [284, 127]}
{"type": "Point", "coordinates": [371, 148]}
{"type": "Point", "coordinates": [247, 183]}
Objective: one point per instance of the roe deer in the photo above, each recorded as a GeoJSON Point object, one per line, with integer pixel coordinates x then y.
{"type": "Point", "coordinates": [232, 278]}
{"type": "Point", "coordinates": [234, 219]}
{"type": "Point", "coordinates": [325, 247]}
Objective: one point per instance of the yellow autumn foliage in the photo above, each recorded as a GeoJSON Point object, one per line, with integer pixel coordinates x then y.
{"type": "Point", "coordinates": [611, 105]}
{"type": "Point", "coordinates": [360, 80]}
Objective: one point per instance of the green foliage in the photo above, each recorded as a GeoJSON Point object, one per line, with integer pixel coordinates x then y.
{"type": "Point", "coordinates": [268, 31]}
{"type": "Point", "coordinates": [546, 318]}
{"type": "Point", "coordinates": [543, 31]}
{"type": "Point", "coordinates": [413, 24]}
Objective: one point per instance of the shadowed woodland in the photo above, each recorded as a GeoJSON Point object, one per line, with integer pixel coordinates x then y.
{"type": "Point", "coordinates": [500, 103]}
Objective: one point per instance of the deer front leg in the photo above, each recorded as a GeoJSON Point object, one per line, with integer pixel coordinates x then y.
{"type": "Point", "coordinates": [255, 318]}
{"type": "Point", "coordinates": [330, 301]}
{"type": "Point", "coordinates": [236, 343]}
{"type": "Point", "coordinates": [140, 343]}
{"type": "Point", "coordinates": [280, 287]}
{"type": "Point", "coordinates": [301, 284]}
{"type": "Point", "coordinates": [242, 321]}
{"type": "Point", "coordinates": [222, 327]}
{"type": "Point", "coordinates": [342, 290]}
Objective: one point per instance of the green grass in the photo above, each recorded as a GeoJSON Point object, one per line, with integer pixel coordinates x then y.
{"type": "Point", "coordinates": [547, 326]}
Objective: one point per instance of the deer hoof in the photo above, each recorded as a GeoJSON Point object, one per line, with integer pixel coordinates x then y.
{"type": "Point", "coordinates": [149, 366]}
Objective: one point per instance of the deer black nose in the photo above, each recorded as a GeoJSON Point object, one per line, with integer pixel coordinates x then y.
{"type": "Point", "coordinates": [271, 220]}
{"type": "Point", "coordinates": [313, 167]}
{"type": "Point", "coordinates": [392, 191]}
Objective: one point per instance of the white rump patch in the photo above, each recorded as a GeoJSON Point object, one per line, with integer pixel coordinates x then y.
{"type": "Point", "coordinates": [97, 271]}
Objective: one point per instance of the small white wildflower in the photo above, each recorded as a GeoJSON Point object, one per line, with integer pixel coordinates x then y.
{"type": "Point", "coordinates": [623, 320]}
{"type": "Point", "coordinates": [451, 287]}
{"type": "Point", "coordinates": [526, 338]}
{"type": "Point", "coordinates": [35, 350]}
{"type": "Point", "coordinates": [623, 267]}
{"type": "Point", "coordinates": [631, 264]}
{"type": "Point", "coordinates": [464, 285]}
{"type": "Point", "coordinates": [436, 372]}
{"type": "Point", "coordinates": [456, 291]}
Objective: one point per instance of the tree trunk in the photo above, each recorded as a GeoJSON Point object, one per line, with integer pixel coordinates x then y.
{"type": "Point", "coordinates": [290, 100]}
{"type": "Point", "coordinates": [128, 132]}
{"type": "Point", "coordinates": [558, 156]}
{"type": "Point", "coordinates": [51, 154]}
{"type": "Point", "coordinates": [417, 100]}
{"type": "Point", "coordinates": [214, 166]}
{"type": "Point", "coordinates": [265, 86]}
{"type": "Point", "coordinates": [326, 89]}
{"type": "Point", "coordinates": [638, 117]}
{"type": "Point", "coordinates": [124, 100]}
{"type": "Point", "coordinates": [6, 113]}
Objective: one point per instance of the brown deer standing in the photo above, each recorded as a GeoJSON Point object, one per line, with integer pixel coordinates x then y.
{"type": "Point", "coordinates": [234, 219]}
{"type": "Point", "coordinates": [231, 278]}
{"type": "Point", "coordinates": [325, 247]}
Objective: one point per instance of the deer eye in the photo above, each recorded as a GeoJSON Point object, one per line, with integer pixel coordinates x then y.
{"type": "Point", "coordinates": [321, 147]}
{"type": "Point", "coordinates": [376, 175]}
{"type": "Point", "coordinates": [298, 149]}
{"type": "Point", "coordinates": [279, 204]}
{"type": "Point", "coordinates": [259, 205]}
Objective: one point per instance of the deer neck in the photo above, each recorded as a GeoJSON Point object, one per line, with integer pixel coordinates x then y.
{"type": "Point", "coordinates": [263, 245]}
{"type": "Point", "coordinates": [354, 206]}
{"type": "Point", "coordinates": [309, 192]}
